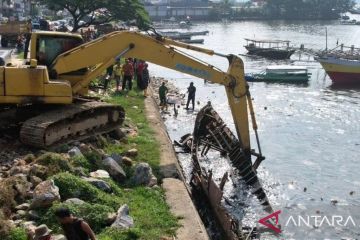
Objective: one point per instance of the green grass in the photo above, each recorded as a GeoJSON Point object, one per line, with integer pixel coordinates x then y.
{"type": "Point", "coordinates": [20, 55]}
{"type": "Point", "coordinates": [147, 206]}
{"type": "Point", "coordinates": [151, 214]}
{"type": "Point", "coordinates": [16, 234]}
{"type": "Point", "coordinates": [145, 142]}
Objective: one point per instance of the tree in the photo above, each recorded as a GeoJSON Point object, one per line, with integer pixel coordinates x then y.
{"type": "Point", "coordinates": [96, 12]}
{"type": "Point", "coordinates": [306, 9]}
{"type": "Point", "coordinates": [221, 9]}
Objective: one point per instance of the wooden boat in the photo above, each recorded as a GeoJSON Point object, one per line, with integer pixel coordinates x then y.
{"type": "Point", "coordinates": [349, 22]}
{"type": "Point", "coordinates": [342, 64]}
{"type": "Point", "coordinates": [281, 73]}
{"type": "Point", "coordinates": [272, 49]}
{"type": "Point", "coordinates": [185, 34]}
{"type": "Point", "coordinates": [193, 41]}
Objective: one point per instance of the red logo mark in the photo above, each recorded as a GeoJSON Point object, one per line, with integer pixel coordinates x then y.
{"type": "Point", "coordinates": [266, 221]}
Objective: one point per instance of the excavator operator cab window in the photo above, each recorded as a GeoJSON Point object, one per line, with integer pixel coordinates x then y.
{"type": "Point", "coordinates": [48, 47]}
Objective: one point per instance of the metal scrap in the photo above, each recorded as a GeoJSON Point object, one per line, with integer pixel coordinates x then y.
{"type": "Point", "coordinates": [210, 132]}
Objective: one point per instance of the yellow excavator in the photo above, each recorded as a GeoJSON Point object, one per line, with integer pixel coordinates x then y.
{"type": "Point", "coordinates": [55, 78]}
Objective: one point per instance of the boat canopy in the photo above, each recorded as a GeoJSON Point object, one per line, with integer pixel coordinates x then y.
{"type": "Point", "coordinates": [267, 41]}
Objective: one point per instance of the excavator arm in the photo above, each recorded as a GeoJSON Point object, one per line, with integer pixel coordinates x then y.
{"type": "Point", "coordinates": [103, 52]}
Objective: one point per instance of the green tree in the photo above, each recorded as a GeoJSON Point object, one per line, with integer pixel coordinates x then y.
{"type": "Point", "coordinates": [311, 9]}
{"type": "Point", "coordinates": [96, 12]}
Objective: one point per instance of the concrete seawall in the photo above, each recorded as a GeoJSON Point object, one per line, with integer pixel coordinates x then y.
{"type": "Point", "coordinates": [177, 195]}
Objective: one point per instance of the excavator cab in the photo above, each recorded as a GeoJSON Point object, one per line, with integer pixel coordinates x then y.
{"type": "Point", "coordinates": [46, 46]}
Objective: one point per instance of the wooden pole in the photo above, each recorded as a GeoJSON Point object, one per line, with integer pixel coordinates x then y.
{"type": "Point", "coordinates": [326, 39]}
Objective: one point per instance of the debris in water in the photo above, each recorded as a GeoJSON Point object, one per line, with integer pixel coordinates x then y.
{"type": "Point", "coordinates": [352, 193]}
{"type": "Point", "coordinates": [211, 133]}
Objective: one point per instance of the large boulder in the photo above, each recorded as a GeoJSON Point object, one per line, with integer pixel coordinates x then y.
{"type": "Point", "coordinates": [45, 194]}
{"type": "Point", "coordinates": [114, 169]}
{"type": "Point", "coordinates": [123, 219]}
{"type": "Point", "coordinates": [101, 184]}
{"type": "Point", "coordinates": [100, 174]}
{"type": "Point", "coordinates": [24, 206]}
{"type": "Point", "coordinates": [75, 152]}
{"type": "Point", "coordinates": [21, 169]}
{"type": "Point", "coordinates": [33, 215]}
{"type": "Point", "coordinates": [132, 152]}
{"type": "Point", "coordinates": [117, 157]}
{"type": "Point", "coordinates": [75, 201]}
{"type": "Point", "coordinates": [143, 175]}
{"type": "Point", "coordinates": [39, 171]}
{"type": "Point", "coordinates": [127, 161]}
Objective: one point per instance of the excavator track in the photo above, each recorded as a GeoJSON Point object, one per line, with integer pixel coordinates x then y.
{"type": "Point", "coordinates": [71, 123]}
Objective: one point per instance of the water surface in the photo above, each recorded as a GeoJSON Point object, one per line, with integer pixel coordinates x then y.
{"type": "Point", "coordinates": [310, 134]}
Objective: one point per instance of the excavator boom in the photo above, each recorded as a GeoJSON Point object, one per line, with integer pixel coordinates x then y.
{"type": "Point", "coordinates": [106, 50]}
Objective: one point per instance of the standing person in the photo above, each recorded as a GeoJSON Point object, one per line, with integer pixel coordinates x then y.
{"type": "Point", "coordinates": [74, 228]}
{"type": "Point", "coordinates": [117, 74]}
{"type": "Point", "coordinates": [128, 71]}
{"type": "Point", "coordinates": [139, 70]}
{"type": "Point", "coordinates": [108, 77]}
{"type": "Point", "coordinates": [27, 37]}
{"type": "Point", "coordinates": [191, 96]}
{"type": "Point", "coordinates": [145, 79]}
{"type": "Point", "coordinates": [162, 94]}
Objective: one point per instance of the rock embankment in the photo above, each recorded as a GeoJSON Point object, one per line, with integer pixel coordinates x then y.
{"type": "Point", "coordinates": [35, 183]}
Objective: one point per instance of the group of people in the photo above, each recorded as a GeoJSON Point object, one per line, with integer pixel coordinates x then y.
{"type": "Point", "coordinates": [191, 90]}
{"type": "Point", "coordinates": [89, 34]}
{"type": "Point", "coordinates": [125, 73]}
{"type": "Point", "coordinates": [73, 228]}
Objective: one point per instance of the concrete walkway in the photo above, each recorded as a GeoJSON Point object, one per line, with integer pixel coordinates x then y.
{"type": "Point", "coordinates": [177, 196]}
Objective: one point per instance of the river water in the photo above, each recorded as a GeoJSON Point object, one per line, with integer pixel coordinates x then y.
{"type": "Point", "coordinates": [310, 134]}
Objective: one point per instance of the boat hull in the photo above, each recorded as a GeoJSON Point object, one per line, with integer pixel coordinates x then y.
{"type": "Point", "coordinates": [270, 53]}
{"type": "Point", "coordinates": [341, 71]}
{"type": "Point", "coordinates": [278, 79]}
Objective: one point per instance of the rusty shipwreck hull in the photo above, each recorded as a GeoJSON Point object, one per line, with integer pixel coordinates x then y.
{"type": "Point", "coordinates": [210, 132]}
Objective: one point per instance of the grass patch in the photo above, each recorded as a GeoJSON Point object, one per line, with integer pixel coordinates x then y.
{"type": "Point", "coordinates": [145, 142]}
{"type": "Point", "coordinates": [151, 214]}
{"type": "Point", "coordinates": [55, 162]}
{"type": "Point", "coordinates": [94, 214]}
{"type": "Point", "coordinates": [21, 55]}
{"type": "Point", "coordinates": [148, 208]}
{"type": "Point", "coordinates": [16, 234]}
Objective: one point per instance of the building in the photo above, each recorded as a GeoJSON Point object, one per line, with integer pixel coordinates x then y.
{"type": "Point", "coordinates": [180, 9]}
{"type": "Point", "coordinates": [18, 9]}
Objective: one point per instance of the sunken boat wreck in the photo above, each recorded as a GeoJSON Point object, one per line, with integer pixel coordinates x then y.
{"type": "Point", "coordinates": [212, 134]}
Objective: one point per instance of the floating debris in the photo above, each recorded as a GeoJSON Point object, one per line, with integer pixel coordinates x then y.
{"type": "Point", "coordinates": [211, 133]}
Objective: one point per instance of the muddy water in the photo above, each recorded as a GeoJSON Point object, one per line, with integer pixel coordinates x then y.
{"type": "Point", "coordinates": [310, 134]}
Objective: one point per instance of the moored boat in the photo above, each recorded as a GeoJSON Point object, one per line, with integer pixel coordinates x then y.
{"type": "Point", "coordinates": [272, 49]}
{"type": "Point", "coordinates": [343, 67]}
{"type": "Point", "coordinates": [281, 73]}
{"type": "Point", "coordinates": [341, 70]}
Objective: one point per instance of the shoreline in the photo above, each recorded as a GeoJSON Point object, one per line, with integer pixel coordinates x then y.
{"type": "Point", "coordinates": [177, 194]}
